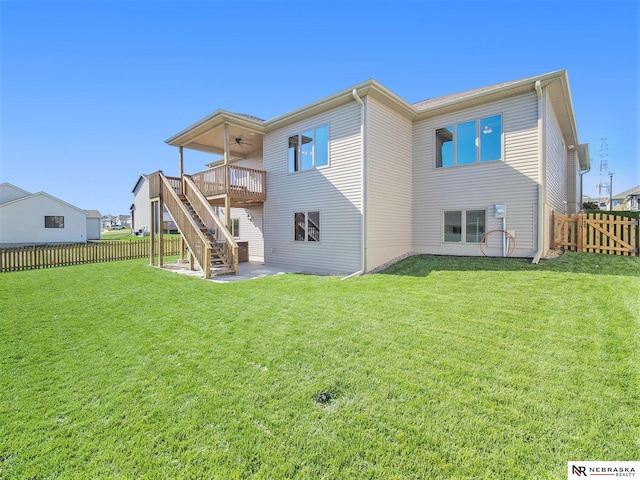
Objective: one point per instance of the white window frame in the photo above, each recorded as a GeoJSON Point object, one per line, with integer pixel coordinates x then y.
{"type": "Point", "coordinates": [306, 226]}
{"type": "Point", "coordinates": [235, 227]}
{"type": "Point", "coordinates": [478, 141]}
{"type": "Point", "coordinates": [463, 225]}
{"type": "Point", "coordinates": [291, 169]}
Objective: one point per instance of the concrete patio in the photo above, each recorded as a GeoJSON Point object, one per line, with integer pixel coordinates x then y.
{"type": "Point", "coordinates": [246, 271]}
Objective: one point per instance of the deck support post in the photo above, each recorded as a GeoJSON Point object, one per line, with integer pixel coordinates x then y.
{"type": "Point", "coordinates": [181, 167]}
{"type": "Point", "coordinates": [160, 233]}
{"type": "Point", "coordinates": [152, 235]}
{"type": "Point", "coordinates": [227, 180]}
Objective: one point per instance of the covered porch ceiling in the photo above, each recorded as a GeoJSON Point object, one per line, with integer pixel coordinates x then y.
{"type": "Point", "coordinates": [242, 135]}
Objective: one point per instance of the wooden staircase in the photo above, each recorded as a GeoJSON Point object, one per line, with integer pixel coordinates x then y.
{"type": "Point", "coordinates": [220, 264]}
{"type": "Point", "coordinates": [209, 242]}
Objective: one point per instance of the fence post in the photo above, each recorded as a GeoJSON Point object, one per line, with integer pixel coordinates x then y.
{"type": "Point", "coordinates": [580, 240]}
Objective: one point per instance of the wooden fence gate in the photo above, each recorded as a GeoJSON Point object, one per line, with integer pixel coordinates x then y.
{"type": "Point", "coordinates": [596, 233]}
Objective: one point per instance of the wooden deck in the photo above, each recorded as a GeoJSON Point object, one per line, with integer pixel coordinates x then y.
{"type": "Point", "coordinates": [245, 187]}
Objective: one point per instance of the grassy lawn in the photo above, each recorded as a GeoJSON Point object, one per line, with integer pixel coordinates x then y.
{"type": "Point", "coordinates": [125, 235]}
{"type": "Point", "coordinates": [436, 368]}
{"type": "Point", "coordinates": [113, 235]}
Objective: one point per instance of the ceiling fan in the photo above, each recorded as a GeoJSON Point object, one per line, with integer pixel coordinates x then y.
{"type": "Point", "coordinates": [240, 141]}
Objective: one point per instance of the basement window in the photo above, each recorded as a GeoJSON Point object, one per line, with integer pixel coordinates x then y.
{"type": "Point", "coordinates": [235, 227]}
{"type": "Point", "coordinates": [53, 221]}
{"type": "Point", "coordinates": [306, 226]}
{"type": "Point", "coordinates": [464, 226]}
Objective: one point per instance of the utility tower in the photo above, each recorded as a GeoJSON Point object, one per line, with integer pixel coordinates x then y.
{"type": "Point", "coordinates": [604, 186]}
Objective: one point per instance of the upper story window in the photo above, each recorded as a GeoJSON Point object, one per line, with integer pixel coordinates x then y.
{"type": "Point", "coordinates": [53, 221]}
{"type": "Point", "coordinates": [469, 142]}
{"type": "Point", "coordinates": [309, 149]}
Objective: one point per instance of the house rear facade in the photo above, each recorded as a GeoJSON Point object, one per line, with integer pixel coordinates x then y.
{"type": "Point", "coordinates": [362, 177]}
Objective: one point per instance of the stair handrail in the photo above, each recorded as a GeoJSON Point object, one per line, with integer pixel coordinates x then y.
{"type": "Point", "coordinates": [204, 210]}
{"type": "Point", "coordinates": [195, 239]}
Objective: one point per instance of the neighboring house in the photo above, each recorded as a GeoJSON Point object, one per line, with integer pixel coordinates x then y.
{"type": "Point", "coordinates": [123, 221]}
{"type": "Point", "coordinates": [93, 224]}
{"type": "Point", "coordinates": [628, 200]}
{"type": "Point", "coordinates": [105, 222]}
{"type": "Point", "coordinates": [362, 177]}
{"type": "Point", "coordinates": [624, 201]}
{"type": "Point", "coordinates": [140, 211]}
{"type": "Point", "coordinates": [39, 218]}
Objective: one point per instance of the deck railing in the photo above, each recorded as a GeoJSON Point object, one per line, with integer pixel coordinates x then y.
{"type": "Point", "coordinates": [155, 184]}
{"type": "Point", "coordinates": [224, 240]}
{"type": "Point", "coordinates": [239, 182]}
{"type": "Point", "coordinates": [195, 239]}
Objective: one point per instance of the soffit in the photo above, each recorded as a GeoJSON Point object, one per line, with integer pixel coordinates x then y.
{"type": "Point", "coordinates": [583, 156]}
{"type": "Point", "coordinates": [560, 98]}
{"type": "Point", "coordinates": [244, 134]}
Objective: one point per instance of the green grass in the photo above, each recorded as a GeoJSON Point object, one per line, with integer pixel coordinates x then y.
{"type": "Point", "coordinates": [113, 235]}
{"type": "Point", "coordinates": [439, 367]}
{"type": "Point", "coordinates": [125, 235]}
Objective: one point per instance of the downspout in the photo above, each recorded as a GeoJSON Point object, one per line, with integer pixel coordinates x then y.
{"type": "Point", "coordinates": [583, 172]}
{"type": "Point", "coordinates": [363, 183]}
{"type": "Point", "coordinates": [542, 169]}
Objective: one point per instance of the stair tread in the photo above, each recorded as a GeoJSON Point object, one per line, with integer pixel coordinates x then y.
{"type": "Point", "coordinates": [219, 263]}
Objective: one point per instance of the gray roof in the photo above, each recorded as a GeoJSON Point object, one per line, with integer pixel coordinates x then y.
{"type": "Point", "coordinates": [251, 117]}
{"type": "Point", "coordinates": [94, 213]}
{"type": "Point", "coordinates": [432, 102]}
{"type": "Point", "coordinates": [633, 191]}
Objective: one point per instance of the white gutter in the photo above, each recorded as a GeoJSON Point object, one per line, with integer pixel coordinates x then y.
{"type": "Point", "coordinates": [582, 173]}
{"type": "Point", "coordinates": [542, 170]}
{"type": "Point", "coordinates": [584, 148]}
{"type": "Point", "coordinates": [363, 180]}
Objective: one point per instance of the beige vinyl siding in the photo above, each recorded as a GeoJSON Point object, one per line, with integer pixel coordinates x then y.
{"type": "Point", "coordinates": [512, 181]}
{"type": "Point", "coordinates": [556, 163]}
{"type": "Point", "coordinates": [334, 191]}
{"type": "Point", "coordinates": [573, 182]}
{"type": "Point", "coordinates": [251, 226]}
{"type": "Point", "coordinates": [251, 219]}
{"type": "Point", "coordinates": [253, 160]}
{"type": "Point", "coordinates": [389, 184]}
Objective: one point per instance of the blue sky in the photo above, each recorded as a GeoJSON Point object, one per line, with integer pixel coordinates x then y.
{"type": "Point", "coordinates": [91, 89]}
